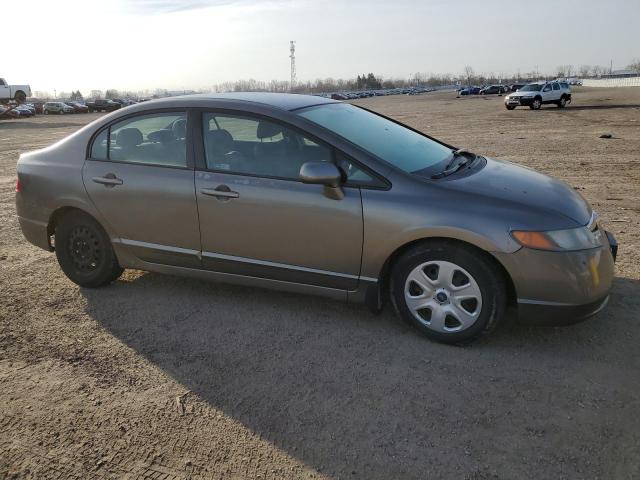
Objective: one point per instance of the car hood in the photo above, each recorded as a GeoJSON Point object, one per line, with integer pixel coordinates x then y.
{"type": "Point", "coordinates": [524, 189]}
{"type": "Point", "coordinates": [520, 93]}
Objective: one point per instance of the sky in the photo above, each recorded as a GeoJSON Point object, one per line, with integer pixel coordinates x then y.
{"type": "Point", "coordinates": [195, 44]}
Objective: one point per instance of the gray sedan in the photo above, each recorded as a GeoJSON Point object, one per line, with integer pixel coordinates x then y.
{"type": "Point", "coordinates": [311, 195]}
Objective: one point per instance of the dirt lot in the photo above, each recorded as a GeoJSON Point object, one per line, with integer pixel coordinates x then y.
{"type": "Point", "coordinates": [162, 377]}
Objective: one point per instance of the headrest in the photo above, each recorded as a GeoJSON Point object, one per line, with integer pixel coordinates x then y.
{"type": "Point", "coordinates": [220, 140]}
{"type": "Point", "coordinates": [179, 128]}
{"type": "Point", "coordinates": [129, 137]}
{"type": "Point", "coordinates": [268, 130]}
{"type": "Point", "coordinates": [162, 136]}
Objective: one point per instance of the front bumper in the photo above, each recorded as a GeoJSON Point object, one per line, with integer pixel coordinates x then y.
{"type": "Point", "coordinates": [559, 288]}
{"type": "Point", "coordinates": [525, 101]}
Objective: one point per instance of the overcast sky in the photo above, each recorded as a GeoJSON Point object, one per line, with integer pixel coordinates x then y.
{"type": "Point", "coordinates": [192, 44]}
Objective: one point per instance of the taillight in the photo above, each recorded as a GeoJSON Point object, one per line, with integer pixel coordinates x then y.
{"type": "Point", "coordinates": [17, 184]}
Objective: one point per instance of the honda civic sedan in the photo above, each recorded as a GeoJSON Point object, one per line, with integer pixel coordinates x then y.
{"type": "Point", "coordinates": [316, 196]}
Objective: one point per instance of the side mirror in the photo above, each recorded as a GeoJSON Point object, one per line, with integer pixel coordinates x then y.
{"type": "Point", "coordinates": [323, 173]}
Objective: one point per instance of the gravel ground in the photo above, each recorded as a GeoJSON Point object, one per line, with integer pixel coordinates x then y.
{"type": "Point", "coordinates": [162, 377]}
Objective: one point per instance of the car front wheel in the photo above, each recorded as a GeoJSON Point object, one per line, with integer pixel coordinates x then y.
{"type": "Point", "coordinates": [510, 107]}
{"type": "Point", "coordinates": [536, 104]}
{"type": "Point", "coordinates": [450, 292]}
{"type": "Point", "coordinates": [84, 251]}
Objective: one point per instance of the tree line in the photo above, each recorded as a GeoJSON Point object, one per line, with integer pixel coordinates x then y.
{"type": "Point", "coordinates": [369, 81]}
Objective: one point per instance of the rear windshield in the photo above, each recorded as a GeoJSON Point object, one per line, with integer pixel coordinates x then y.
{"type": "Point", "coordinates": [387, 140]}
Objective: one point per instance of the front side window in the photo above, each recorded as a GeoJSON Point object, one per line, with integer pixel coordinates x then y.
{"type": "Point", "coordinates": [155, 139]}
{"type": "Point", "coordinates": [253, 146]}
{"type": "Point", "coordinates": [547, 88]}
{"type": "Point", "coordinates": [408, 150]}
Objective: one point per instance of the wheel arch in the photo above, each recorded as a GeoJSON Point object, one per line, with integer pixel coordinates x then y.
{"type": "Point", "coordinates": [59, 213]}
{"type": "Point", "coordinates": [384, 276]}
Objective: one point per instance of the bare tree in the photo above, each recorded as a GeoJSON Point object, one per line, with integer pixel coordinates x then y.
{"type": "Point", "coordinates": [560, 71]}
{"type": "Point", "coordinates": [597, 70]}
{"type": "Point", "coordinates": [585, 70]}
{"type": "Point", "coordinates": [634, 65]}
{"type": "Point", "coordinates": [468, 73]}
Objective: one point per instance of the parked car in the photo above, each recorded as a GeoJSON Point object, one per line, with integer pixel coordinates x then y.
{"type": "Point", "coordinates": [19, 93]}
{"type": "Point", "coordinates": [534, 95]}
{"type": "Point", "coordinates": [78, 107]}
{"type": "Point", "coordinates": [470, 91]}
{"type": "Point", "coordinates": [8, 112]}
{"type": "Point", "coordinates": [56, 107]}
{"type": "Point", "coordinates": [311, 195]}
{"type": "Point", "coordinates": [103, 106]}
{"type": "Point", "coordinates": [25, 111]}
{"type": "Point", "coordinates": [515, 87]}
{"type": "Point", "coordinates": [492, 90]}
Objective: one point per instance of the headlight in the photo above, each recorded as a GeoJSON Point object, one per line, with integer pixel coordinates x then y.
{"type": "Point", "coordinates": [581, 238]}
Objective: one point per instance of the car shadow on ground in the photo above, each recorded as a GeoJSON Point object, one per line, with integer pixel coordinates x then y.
{"type": "Point", "coordinates": [352, 393]}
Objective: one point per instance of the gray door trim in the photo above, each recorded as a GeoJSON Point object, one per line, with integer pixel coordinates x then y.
{"type": "Point", "coordinates": [265, 263]}
{"type": "Point", "coordinates": [232, 258]}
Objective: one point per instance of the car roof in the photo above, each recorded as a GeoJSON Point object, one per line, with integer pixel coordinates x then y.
{"type": "Point", "coordinates": [284, 101]}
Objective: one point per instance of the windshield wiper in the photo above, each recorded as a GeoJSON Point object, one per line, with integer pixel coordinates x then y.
{"type": "Point", "coordinates": [461, 158]}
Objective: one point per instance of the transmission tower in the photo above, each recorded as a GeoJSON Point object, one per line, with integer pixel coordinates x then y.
{"type": "Point", "coordinates": [292, 49]}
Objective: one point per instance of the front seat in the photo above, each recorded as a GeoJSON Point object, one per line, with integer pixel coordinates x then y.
{"type": "Point", "coordinates": [221, 154]}
{"type": "Point", "coordinates": [127, 140]}
{"type": "Point", "coordinates": [280, 158]}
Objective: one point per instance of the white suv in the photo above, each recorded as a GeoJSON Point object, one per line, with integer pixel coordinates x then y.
{"type": "Point", "coordinates": [534, 95]}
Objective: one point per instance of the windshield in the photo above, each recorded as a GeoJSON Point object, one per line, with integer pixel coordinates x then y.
{"type": "Point", "coordinates": [389, 141]}
{"type": "Point", "coordinates": [532, 87]}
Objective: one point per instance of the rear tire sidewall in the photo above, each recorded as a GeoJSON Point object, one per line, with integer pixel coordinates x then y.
{"type": "Point", "coordinates": [562, 102]}
{"type": "Point", "coordinates": [107, 268]}
{"type": "Point", "coordinates": [487, 276]}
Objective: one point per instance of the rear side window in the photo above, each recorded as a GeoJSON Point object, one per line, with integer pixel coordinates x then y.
{"type": "Point", "coordinates": [556, 86]}
{"type": "Point", "coordinates": [155, 139]}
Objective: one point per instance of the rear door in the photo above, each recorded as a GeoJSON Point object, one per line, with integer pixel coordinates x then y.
{"type": "Point", "coordinates": [257, 219]}
{"type": "Point", "coordinates": [141, 180]}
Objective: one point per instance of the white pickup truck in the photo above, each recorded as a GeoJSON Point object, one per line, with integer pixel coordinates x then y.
{"type": "Point", "coordinates": [534, 95]}
{"type": "Point", "coordinates": [19, 93]}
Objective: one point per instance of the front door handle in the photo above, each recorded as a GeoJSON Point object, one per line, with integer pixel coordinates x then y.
{"type": "Point", "coordinates": [221, 191]}
{"type": "Point", "coordinates": [109, 180]}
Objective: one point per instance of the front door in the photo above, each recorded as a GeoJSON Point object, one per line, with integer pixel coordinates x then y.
{"type": "Point", "coordinates": [140, 181]}
{"type": "Point", "coordinates": [257, 218]}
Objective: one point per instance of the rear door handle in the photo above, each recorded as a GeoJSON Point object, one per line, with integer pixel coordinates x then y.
{"type": "Point", "coordinates": [109, 180]}
{"type": "Point", "coordinates": [221, 191]}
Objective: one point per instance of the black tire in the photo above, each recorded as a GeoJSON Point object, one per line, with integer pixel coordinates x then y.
{"type": "Point", "coordinates": [20, 97]}
{"type": "Point", "coordinates": [510, 107]}
{"type": "Point", "coordinates": [485, 273]}
{"type": "Point", "coordinates": [84, 251]}
{"type": "Point", "coordinates": [536, 104]}
{"type": "Point", "coordinates": [562, 102]}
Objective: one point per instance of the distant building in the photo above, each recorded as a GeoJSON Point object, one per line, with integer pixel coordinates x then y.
{"type": "Point", "coordinates": [621, 74]}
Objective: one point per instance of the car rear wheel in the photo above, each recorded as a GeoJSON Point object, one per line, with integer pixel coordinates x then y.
{"type": "Point", "coordinates": [450, 292]}
{"type": "Point", "coordinates": [84, 251]}
{"type": "Point", "coordinates": [536, 104]}
{"type": "Point", "coordinates": [562, 102]}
